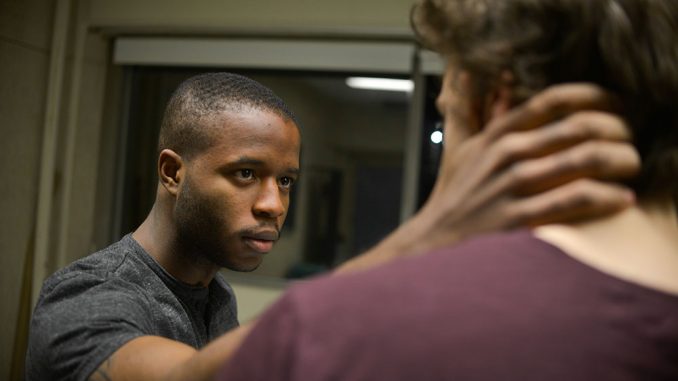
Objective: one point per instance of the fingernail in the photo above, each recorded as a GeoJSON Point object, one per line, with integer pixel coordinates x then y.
{"type": "Point", "coordinates": [630, 197]}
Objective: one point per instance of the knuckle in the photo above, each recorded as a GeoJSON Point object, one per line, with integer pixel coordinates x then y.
{"type": "Point", "coordinates": [598, 125]}
{"type": "Point", "coordinates": [598, 159]}
{"type": "Point", "coordinates": [580, 126]}
{"type": "Point", "coordinates": [552, 96]}
{"type": "Point", "coordinates": [584, 195]}
{"type": "Point", "coordinates": [571, 129]}
{"type": "Point", "coordinates": [520, 173]}
{"type": "Point", "coordinates": [553, 101]}
{"type": "Point", "coordinates": [590, 156]}
{"type": "Point", "coordinates": [565, 163]}
{"type": "Point", "coordinates": [516, 214]}
{"type": "Point", "coordinates": [478, 141]}
{"type": "Point", "coordinates": [562, 99]}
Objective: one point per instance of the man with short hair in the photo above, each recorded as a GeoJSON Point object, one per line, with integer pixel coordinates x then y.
{"type": "Point", "coordinates": [228, 155]}
{"type": "Point", "coordinates": [153, 305]}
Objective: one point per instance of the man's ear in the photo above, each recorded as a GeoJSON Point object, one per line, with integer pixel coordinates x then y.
{"type": "Point", "coordinates": [495, 102]}
{"type": "Point", "coordinates": [171, 169]}
{"type": "Point", "coordinates": [500, 100]}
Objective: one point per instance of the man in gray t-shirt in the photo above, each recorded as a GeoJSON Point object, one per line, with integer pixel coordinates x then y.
{"type": "Point", "coordinates": [152, 306]}
{"type": "Point", "coordinates": [228, 156]}
{"type": "Point", "coordinates": [97, 304]}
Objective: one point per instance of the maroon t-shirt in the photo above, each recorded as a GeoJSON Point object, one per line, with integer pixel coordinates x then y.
{"type": "Point", "coordinates": [501, 307]}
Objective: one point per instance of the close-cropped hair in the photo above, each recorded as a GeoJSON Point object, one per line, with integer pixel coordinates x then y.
{"type": "Point", "coordinates": [627, 46]}
{"type": "Point", "coordinates": [197, 106]}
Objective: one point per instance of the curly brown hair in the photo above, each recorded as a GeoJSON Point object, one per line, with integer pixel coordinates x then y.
{"type": "Point", "coordinates": [627, 46]}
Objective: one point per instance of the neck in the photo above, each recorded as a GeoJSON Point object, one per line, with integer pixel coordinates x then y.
{"type": "Point", "coordinates": [639, 244]}
{"type": "Point", "coordinates": [157, 235]}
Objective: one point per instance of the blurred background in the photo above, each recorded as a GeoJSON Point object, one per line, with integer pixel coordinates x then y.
{"type": "Point", "coordinates": [83, 84]}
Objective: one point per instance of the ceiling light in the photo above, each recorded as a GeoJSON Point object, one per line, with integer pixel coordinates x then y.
{"type": "Point", "coordinates": [437, 137]}
{"type": "Point", "coordinates": [387, 84]}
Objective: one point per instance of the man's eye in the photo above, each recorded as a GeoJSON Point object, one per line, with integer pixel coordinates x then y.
{"type": "Point", "coordinates": [245, 173]}
{"type": "Point", "coordinates": [286, 182]}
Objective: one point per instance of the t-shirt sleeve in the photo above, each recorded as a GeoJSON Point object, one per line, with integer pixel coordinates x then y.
{"type": "Point", "coordinates": [79, 322]}
{"type": "Point", "coordinates": [269, 350]}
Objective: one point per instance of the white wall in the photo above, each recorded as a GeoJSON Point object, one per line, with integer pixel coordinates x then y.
{"type": "Point", "coordinates": [254, 295]}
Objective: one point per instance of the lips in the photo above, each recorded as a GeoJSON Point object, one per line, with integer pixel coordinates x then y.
{"type": "Point", "coordinates": [260, 246]}
{"type": "Point", "coordinates": [262, 241]}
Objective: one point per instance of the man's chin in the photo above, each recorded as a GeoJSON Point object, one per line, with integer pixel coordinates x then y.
{"type": "Point", "coordinates": [243, 269]}
{"type": "Point", "coordinates": [244, 266]}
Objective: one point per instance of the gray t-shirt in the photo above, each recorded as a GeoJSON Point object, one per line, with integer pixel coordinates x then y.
{"type": "Point", "coordinates": [89, 309]}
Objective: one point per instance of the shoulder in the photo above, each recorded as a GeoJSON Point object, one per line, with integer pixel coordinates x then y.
{"type": "Point", "coordinates": [85, 312]}
{"type": "Point", "coordinates": [116, 266]}
{"type": "Point", "coordinates": [498, 255]}
{"type": "Point", "coordinates": [104, 286]}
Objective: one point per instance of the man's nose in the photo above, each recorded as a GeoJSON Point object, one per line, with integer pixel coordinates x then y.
{"type": "Point", "coordinates": [269, 201]}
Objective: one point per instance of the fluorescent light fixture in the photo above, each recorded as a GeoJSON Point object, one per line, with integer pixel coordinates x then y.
{"type": "Point", "coordinates": [387, 84]}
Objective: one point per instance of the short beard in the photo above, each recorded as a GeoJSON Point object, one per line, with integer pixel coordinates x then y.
{"type": "Point", "coordinates": [195, 225]}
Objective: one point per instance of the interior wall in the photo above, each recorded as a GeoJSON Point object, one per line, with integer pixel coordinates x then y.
{"type": "Point", "coordinates": [26, 34]}
{"type": "Point", "coordinates": [365, 134]}
{"type": "Point", "coordinates": [84, 217]}
{"type": "Point", "coordinates": [254, 295]}
{"type": "Point", "coordinates": [386, 18]}
{"type": "Point", "coordinates": [25, 30]}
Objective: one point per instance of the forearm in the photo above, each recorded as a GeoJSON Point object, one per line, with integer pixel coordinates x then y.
{"type": "Point", "coordinates": [150, 358]}
{"type": "Point", "coordinates": [206, 362]}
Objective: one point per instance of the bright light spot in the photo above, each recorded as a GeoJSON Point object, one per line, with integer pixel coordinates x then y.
{"type": "Point", "coordinates": [388, 84]}
{"type": "Point", "coordinates": [437, 137]}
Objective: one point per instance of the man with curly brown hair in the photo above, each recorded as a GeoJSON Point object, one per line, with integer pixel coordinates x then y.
{"type": "Point", "coordinates": [591, 299]}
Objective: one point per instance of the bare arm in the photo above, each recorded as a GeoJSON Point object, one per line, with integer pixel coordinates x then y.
{"type": "Point", "coordinates": [151, 358]}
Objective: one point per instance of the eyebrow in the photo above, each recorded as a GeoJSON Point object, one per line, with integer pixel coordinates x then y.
{"type": "Point", "coordinates": [248, 160]}
{"type": "Point", "coordinates": [256, 162]}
